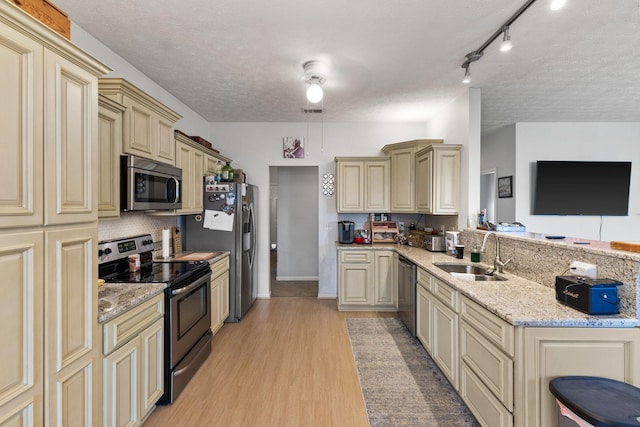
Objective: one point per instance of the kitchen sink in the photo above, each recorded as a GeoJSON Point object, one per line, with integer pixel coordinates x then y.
{"type": "Point", "coordinates": [469, 272]}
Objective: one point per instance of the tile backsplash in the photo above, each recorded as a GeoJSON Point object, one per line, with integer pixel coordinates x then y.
{"type": "Point", "coordinates": [136, 223]}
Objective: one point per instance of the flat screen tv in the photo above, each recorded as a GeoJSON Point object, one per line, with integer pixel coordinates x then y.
{"type": "Point", "coordinates": [582, 188]}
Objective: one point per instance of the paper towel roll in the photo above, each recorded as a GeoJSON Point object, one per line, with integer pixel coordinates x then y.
{"type": "Point", "coordinates": [166, 243]}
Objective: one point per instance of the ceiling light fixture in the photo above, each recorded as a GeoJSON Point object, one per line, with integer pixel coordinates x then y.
{"type": "Point", "coordinates": [506, 44]}
{"type": "Point", "coordinates": [504, 28]}
{"type": "Point", "coordinates": [467, 75]}
{"type": "Point", "coordinates": [557, 4]}
{"type": "Point", "coordinates": [314, 77]}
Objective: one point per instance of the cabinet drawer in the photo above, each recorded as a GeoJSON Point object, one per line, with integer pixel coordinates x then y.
{"type": "Point", "coordinates": [486, 408]}
{"type": "Point", "coordinates": [424, 279]}
{"type": "Point", "coordinates": [129, 324]}
{"type": "Point", "coordinates": [220, 267]}
{"type": "Point", "coordinates": [491, 326]}
{"type": "Point", "coordinates": [492, 366]}
{"type": "Point", "coordinates": [355, 256]}
{"type": "Point", "coordinates": [445, 293]}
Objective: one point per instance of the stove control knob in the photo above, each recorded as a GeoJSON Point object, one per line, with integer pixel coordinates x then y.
{"type": "Point", "coordinates": [107, 251]}
{"type": "Point", "coordinates": [100, 252]}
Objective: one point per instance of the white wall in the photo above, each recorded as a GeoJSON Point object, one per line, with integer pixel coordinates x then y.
{"type": "Point", "coordinates": [459, 123]}
{"type": "Point", "coordinates": [191, 122]}
{"type": "Point", "coordinates": [297, 222]}
{"type": "Point", "coordinates": [256, 146]}
{"type": "Point", "coordinates": [578, 141]}
{"type": "Point", "coordinates": [499, 152]}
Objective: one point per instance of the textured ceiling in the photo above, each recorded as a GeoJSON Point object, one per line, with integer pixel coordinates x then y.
{"type": "Point", "coordinates": [241, 60]}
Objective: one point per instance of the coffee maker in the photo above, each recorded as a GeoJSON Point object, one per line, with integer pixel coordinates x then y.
{"type": "Point", "coordinates": [345, 231]}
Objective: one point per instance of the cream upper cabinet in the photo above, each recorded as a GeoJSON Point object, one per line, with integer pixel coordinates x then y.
{"type": "Point", "coordinates": [21, 328]}
{"type": "Point", "coordinates": [438, 179]}
{"type": "Point", "coordinates": [403, 185]}
{"type": "Point", "coordinates": [190, 159]}
{"type": "Point", "coordinates": [21, 121]}
{"type": "Point", "coordinates": [109, 149]}
{"type": "Point", "coordinates": [148, 124]}
{"type": "Point", "coordinates": [367, 280]}
{"type": "Point", "coordinates": [362, 184]}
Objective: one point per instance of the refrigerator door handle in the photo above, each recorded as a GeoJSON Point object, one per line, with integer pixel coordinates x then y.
{"type": "Point", "coordinates": [252, 218]}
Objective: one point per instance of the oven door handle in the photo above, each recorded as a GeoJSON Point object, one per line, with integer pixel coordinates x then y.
{"type": "Point", "coordinates": [192, 286]}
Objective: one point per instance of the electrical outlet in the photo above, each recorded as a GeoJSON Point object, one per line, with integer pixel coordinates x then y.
{"type": "Point", "coordinates": [400, 226]}
{"type": "Point", "coordinates": [584, 269]}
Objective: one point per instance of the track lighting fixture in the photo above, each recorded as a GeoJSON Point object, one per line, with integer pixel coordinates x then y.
{"type": "Point", "coordinates": [506, 39]}
{"type": "Point", "coordinates": [506, 44]}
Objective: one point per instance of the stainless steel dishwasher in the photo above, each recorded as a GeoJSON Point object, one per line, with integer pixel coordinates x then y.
{"type": "Point", "coordinates": [407, 293]}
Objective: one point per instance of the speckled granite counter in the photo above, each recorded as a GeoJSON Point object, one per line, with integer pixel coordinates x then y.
{"type": "Point", "coordinates": [516, 300]}
{"type": "Point", "coordinates": [116, 298]}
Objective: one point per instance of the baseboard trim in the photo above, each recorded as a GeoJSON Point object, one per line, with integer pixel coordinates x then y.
{"type": "Point", "coordinates": [297, 278]}
{"type": "Point", "coordinates": [327, 296]}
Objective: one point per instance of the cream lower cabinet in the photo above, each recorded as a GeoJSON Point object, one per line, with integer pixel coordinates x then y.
{"type": "Point", "coordinates": [190, 159]}
{"type": "Point", "coordinates": [133, 364]}
{"type": "Point", "coordinates": [362, 184]}
{"type": "Point", "coordinates": [21, 328]}
{"type": "Point", "coordinates": [219, 293]}
{"type": "Point", "coordinates": [438, 179]}
{"type": "Point", "coordinates": [547, 353]}
{"type": "Point", "coordinates": [367, 280]}
{"type": "Point", "coordinates": [424, 309]}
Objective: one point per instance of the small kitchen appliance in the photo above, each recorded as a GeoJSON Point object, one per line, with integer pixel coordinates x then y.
{"type": "Point", "coordinates": [590, 296]}
{"type": "Point", "coordinates": [451, 239]}
{"type": "Point", "coordinates": [345, 231]}
{"type": "Point", "coordinates": [434, 243]}
{"type": "Point", "coordinates": [149, 185]}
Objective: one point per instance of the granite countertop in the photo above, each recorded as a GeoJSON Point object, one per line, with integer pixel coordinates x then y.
{"type": "Point", "coordinates": [518, 301]}
{"type": "Point", "coordinates": [116, 298]}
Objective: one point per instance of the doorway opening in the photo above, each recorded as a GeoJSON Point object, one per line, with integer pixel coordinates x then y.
{"type": "Point", "coordinates": [293, 230]}
{"type": "Point", "coordinates": [488, 193]}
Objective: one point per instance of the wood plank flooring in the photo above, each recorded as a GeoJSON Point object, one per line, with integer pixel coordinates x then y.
{"type": "Point", "coordinates": [287, 363]}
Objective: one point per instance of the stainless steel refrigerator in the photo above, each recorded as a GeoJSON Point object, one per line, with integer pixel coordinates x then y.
{"type": "Point", "coordinates": [228, 223]}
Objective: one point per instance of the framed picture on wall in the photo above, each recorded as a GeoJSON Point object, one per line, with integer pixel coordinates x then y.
{"type": "Point", "coordinates": [505, 187]}
{"type": "Point", "coordinates": [293, 147]}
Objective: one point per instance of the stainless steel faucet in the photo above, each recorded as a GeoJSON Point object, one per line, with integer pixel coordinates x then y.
{"type": "Point", "coordinates": [497, 262]}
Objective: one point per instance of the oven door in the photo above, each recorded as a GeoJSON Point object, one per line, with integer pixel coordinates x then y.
{"type": "Point", "coordinates": [189, 316]}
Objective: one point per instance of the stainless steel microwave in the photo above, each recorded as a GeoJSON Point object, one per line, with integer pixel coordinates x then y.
{"type": "Point", "coordinates": [149, 185]}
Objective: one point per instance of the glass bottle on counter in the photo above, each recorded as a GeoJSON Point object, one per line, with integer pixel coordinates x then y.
{"type": "Point", "coordinates": [219, 171]}
{"type": "Point", "coordinates": [475, 253]}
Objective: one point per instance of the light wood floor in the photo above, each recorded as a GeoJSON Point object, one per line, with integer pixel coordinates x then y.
{"type": "Point", "coordinates": [287, 363]}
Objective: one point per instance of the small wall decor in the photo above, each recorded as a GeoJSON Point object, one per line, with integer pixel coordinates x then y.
{"type": "Point", "coordinates": [505, 187]}
{"type": "Point", "coordinates": [293, 147]}
{"type": "Point", "coordinates": [327, 184]}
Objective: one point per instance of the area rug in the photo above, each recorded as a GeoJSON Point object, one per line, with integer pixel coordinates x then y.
{"type": "Point", "coordinates": [400, 383]}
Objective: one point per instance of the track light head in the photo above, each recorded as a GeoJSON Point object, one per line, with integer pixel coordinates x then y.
{"type": "Point", "coordinates": [506, 44]}
{"type": "Point", "coordinates": [467, 75]}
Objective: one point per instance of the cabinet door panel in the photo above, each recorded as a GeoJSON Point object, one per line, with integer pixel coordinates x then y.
{"type": "Point", "coordinates": [384, 278]}
{"type": "Point", "coordinates": [120, 396]}
{"type": "Point", "coordinates": [215, 304]}
{"type": "Point", "coordinates": [355, 284]}
{"type": "Point", "coordinates": [447, 181]}
{"type": "Point", "coordinates": [152, 366]}
{"type": "Point", "coordinates": [166, 143]}
{"type": "Point", "coordinates": [445, 341]}
{"type": "Point", "coordinates": [72, 394]}
{"type": "Point", "coordinates": [138, 123]}
{"type": "Point", "coordinates": [71, 142]}
{"type": "Point", "coordinates": [21, 383]}
{"type": "Point", "coordinates": [350, 181]}
{"type": "Point", "coordinates": [21, 124]}
{"type": "Point", "coordinates": [197, 177]}
{"type": "Point", "coordinates": [110, 147]}
{"type": "Point", "coordinates": [403, 182]}
{"type": "Point", "coordinates": [424, 182]}
{"type": "Point", "coordinates": [424, 312]}
{"type": "Point", "coordinates": [377, 186]}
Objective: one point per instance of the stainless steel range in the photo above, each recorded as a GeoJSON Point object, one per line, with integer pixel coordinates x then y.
{"type": "Point", "coordinates": [187, 321]}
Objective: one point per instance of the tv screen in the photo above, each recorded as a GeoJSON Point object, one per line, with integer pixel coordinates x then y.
{"type": "Point", "coordinates": [582, 188]}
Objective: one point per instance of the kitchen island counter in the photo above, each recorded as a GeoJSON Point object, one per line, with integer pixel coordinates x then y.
{"type": "Point", "coordinates": [519, 301]}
